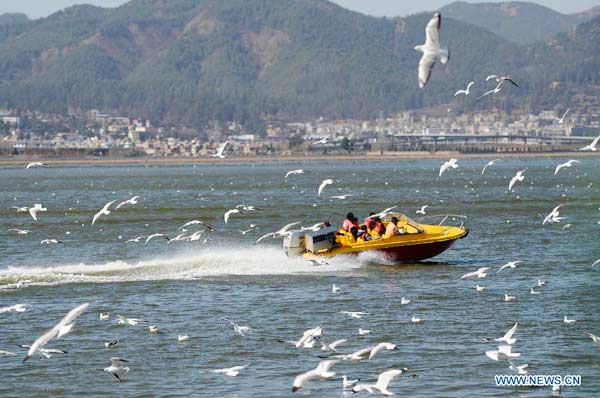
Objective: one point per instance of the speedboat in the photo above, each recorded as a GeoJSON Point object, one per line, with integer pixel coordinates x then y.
{"type": "Point", "coordinates": [416, 241]}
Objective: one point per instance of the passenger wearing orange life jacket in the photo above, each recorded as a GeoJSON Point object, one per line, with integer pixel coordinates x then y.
{"type": "Point", "coordinates": [351, 225]}
{"type": "Point", "coordinates": [378, 229]}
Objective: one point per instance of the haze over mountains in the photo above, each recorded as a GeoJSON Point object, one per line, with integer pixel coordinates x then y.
{"type": "Point", "coordinates": [189, 61]}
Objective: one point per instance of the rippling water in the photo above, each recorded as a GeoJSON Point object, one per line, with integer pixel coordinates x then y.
{"type": "Point", "coordinates": [187, 287]}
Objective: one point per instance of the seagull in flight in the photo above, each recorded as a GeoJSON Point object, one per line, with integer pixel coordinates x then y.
{"type": "Point", "coordinates": [239, 330]}
{"type": "Point", "coordinates": [562, 119]}
{"type": "Point", "coordinates": [228, 213]}
{"type": "Point", "coordinates": [63, 327]}
{"type": "Point", "coordinates": [451, 163]}
{"type": "Point", "coordinates": [596, 263]}
{"type": "Point", "coordinates": [383, 213]}
{"type": "Point", "coordinates": [508, 337]}
{"type": "Point", "coordinates": [51, 241]}
{"type": "Point", "coordinates": [518, 177]}
{"type": "Point", "coordinates": [493, 91]}
{"type": "Point", "coordinates": [116, 367]}
{"type": "Point", "coordinates": [231, 372]}
{"type": "Point", "coordinates": [341, 197]}
{"type": "Point", "coordinates": [566, 164]}
{"type": "Point", "coordinates": [130, 201]}
{"type": "Point", "coordinates": [220, 150]}
{"type": "Point", "coordinates": [332, 346]}
{"type": "Point", "coordinates": [292, 172]}
{"type": "Point", "coordinates": [490, 163]}
{"type": "Point", "coordinates": [480, 273]}
{"type": "Point", "coordinates": [14, 308]}
{"type": "Point", "coordinates": [149, 238]}
{"type": "Point", "coordinates": [503, 353]}
{"type": "Point", "coordinates": [35, 209]}
{"type": "Point", "coordinates": [519, 369]}
{"type": "Point", "coordinates": [36, 164]}
{"type": "Point", "coordinates": [354, 314]}
{"type": "Point", "coordinates": [465, 92]}
{"type": "Point", "coordinates": [196, 222]}
{"type": "Point", "coordinates": [592, 146]}
{"type": "Point", "coordinates": [320, 372]}
{"type": "Point", "coordinates": [324, 183]}
{"type": "Point", "coordinates": [19, 231]}
{"type": "Point", "coordinates": [553, 217]}
{"type": "Point", "coordinates": [103, 212]}
{"type": "Point", "coordinates": [382, 384]}
{"type": "Point", "coordinates": [422, 210]}
{"type": "Point", "coordinates": [501, 79]}
{"type": "Point", "coordinates": [432, 50]}
{"type": "Point", "coordinates": [510, 264]}
{"type": "Point", "coordinates": [322, 141]}
{"type": "Point", "coordinates": [595, 339]}
{"type": "Point", "coordinates": [282, 232]}
{"type": "Point", "coordinates": [381, 346]}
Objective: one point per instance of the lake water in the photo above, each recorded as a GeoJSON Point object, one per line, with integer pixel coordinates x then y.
{"type": "Point", "coordinates": [187, 287]}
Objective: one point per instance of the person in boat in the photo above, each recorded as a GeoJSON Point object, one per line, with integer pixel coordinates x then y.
{"type": "Point", "coordinates": [392, 228]}
{"type": "Point", "coordinates": [351, 225]}
{"type": "Point", "coordinates": [378, 229]}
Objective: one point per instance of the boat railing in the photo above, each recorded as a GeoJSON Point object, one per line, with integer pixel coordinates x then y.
{"type": "Point", "coordinates": [455, 218]}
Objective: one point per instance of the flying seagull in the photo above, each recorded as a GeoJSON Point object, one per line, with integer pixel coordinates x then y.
{"type": "Point", "coordinates": [291, 172]}
{"type": "Point", "coordinates": [465, 92]}
{"type": "Point", "coordinates": [508, 337]}
{"type": "Point", "coordinates": [451, 163]}
{"type": "Point", "coordinates": [282, 232]}
{"type": "Point", "coordinates": [493, 91]}
{"type": "Point", "coordinates": [103, 212]}
{"type": "Point", "coordinates": [382, 384]}
{"type": "Point", "coordinates": [36, 164]}
{"type": "Point", "coordinates": [490, 163]}
{"type": "Point", "coordinates": [553, 217]}
{"type": "Point", "coordinates": [562, 119]}
{"type": "Point", "coordinates": [320, 372]}
{"type": "Point", "coordinates": [322, 141]}
{"type": "Point", "coordinates": [510, 264]}
{"type": "Point", "coordinates": [35, 209]}
{"type": "Point", "coordinates": [432, 50]}
{"type": "Point", "coordinates": [592, 146]}
{"type": "Point", "coordinates": [480, 273]}
{"type": "Point", "coordinates": [116, 368]}
{"type": "Point", "coordinates": [501, 79]}
{"type": "Point", "coordinates": [220, 150]}
{"type": "Point", "coordinates": [228, 213]}
{"type": "Point", "coordinates": [131, 201]}
{"type": "Point", "coordinates": [566, 164]}
{"type": "Point", "coordinates": [231, 372]}
{"type": "Point", "coordinates": [518, 177]}
{"type": "Point", "coordinates": [326, 182]}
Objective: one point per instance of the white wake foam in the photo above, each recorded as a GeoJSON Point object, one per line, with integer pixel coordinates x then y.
{"type": "Point", "coordinates": [195, 264]}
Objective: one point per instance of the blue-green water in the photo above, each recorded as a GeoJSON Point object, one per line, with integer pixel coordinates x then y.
{"type": "Point", "coordinates": [187, 287]}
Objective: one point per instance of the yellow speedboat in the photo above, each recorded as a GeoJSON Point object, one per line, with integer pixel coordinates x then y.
{"type": "Point", "coordinates": [416, 242]}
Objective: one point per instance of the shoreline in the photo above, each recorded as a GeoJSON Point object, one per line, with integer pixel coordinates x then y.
{"type": "Point", "coordinates": [13, 161]}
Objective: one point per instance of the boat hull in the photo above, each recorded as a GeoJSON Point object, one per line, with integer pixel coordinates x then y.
{"type": "Point", "coordinates": [416, 252]}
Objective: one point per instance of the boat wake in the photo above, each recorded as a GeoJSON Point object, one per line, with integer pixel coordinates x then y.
{"type": "Point", "coordinates": [204, 263]}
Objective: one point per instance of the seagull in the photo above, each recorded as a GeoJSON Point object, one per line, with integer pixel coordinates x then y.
{"type": "Point", "coordinates": [228, 213]}
{"type": "Point", "coordinates": [116, 368]}
{"type": "Point", "coordinates": [348, 383]}
{"type": "Point", "coordinates": [507, 338]}
{"type": "Point", "coordinates": [103, 212]}
{"type": "Point", "coordinates": [282, 232]}
{"type": "Point", "coordinates": [51, 241]}
{"type": "Point", "coordinates": [341, 197]}
{"type": "Point", "coordinates": [63, 327]}
{"type": "Point", "coordinates": [292, 172]}
{"type": "Point", "coordinates": [518, 177]}
{"type": "Point", "coordinates": [465, 92]}
{"type": "Point", "coordinates": [503, 353]}
{"type": "Point", "coordinates": [562, 119]}
{"type": "Point", "coordinates": [7, 354]}
{"type": "Point", "coordinates": [382, 384]}
{"type": "Point", "coordinates": [320, 372]}
{"type": "Point", "coordinates": [414, 319]}
{"type": "Point", "coordinates": [490, 163]}
{"type": "Point", "coordinates": [451, 163]}
{"type": "Point", "coordinates": [592, 146]}
{"type": "Point", "coordinates": [354, 314]}
{"type": "Point", "coordinates": [136, 240]}
{"type": "Point", "coordinates": [508, 298]}
{"type": "Point", "coordinates": [568, 321]}
{"type": "Point", "coordinates": [104, 316]}
{"type": "Point", "coordinates": [184, 337]}
{"type": "Point", "coordinates": [493, 91]}
{"type": "Point", "coordinates": [14, 308]}
{"type": "Point", "coordinates": [541, 283]}
{"type": "Point", "coordinates": [480, 273]}
{"type": "Point", "coordinates": [553, 217]}
{"type": "Point", "coordinates": [422, 210]}
{"type": "Point", "coordinates": [566, 164]}
{"type": "Point", "coordinates": [317, 262]}
{"type": "Point", "coordinates": [34, 210]}
{"type": "Point", "coordinates": [383, 213]}
{"type": "Point", "coordinates": [239, 330]}
{"type": "Point", "coordinates": [326, 182]}
{"type": "Point", "coordinates": [322, 141]}
{"type": "Point", "coordinates": [149, 238]}
{"type": "Point", "coordinates": [307, 339]}
{"type": "Point", "coordinates": [596, 263]}
{"type": "Point", "coordinates": [45, 352]}
{"type": "Point", "coordinates": [405, 301]}
{"type": "Point", "coordinates": [332, 346]}
{"type": "Point", "coordinates": [432, 50]}
{"type": "Point", "coordinates": [111, 343]}
{"type": "Point", "coordinates": [121, 320]}
{"type": "Point", "coordinates": [153, 329]}
{"type": "Point", "coordinates": [130, 201]}
{"type": "Point", "coordinates": [381, 346]}
{"type": "Point", "coordinates": [519, 369]}
{"type": "Point", "coordinates": [36, 164]}
{"type": "Point", "coordinates": [480, 288]}
{"type": "Point", "coordinates": [355, 356]}
{"type": "Point", "coordinates": [501, 79]}
{"type": "Point", "coordinates": [248, 208]}
{"type": "Point", "coordinates": [20, 209]}
{"type": "Point", "coordinates": [363, 332]}
{"type": "Point", "coordinates": [596, 339]}
{"type": "Point", "coordinates": [220, 149]}
{"type": "Point", "coordinates": [19, 231]}
{"type": "Point", "coordinates": [231, 372]}
{"type": "Point", "coordinates": [510, 264]}
{"type": "Point", "coordinates": [335, 289]}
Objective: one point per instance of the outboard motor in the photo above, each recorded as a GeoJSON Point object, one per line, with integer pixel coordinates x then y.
{"type": "Point", "coordinates": [323, 239]}
{"type": "Point", "coordinates": [293, 243]}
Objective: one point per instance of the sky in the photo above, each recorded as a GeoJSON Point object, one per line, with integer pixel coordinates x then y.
{"type": "Point", "coordinates": [41, 8]}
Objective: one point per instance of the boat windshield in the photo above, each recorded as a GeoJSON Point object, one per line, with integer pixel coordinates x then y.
{"type": "Point", "coordinates": [403, 219]}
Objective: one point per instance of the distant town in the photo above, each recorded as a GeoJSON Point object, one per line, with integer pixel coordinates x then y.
{"type": "Point", "coordinates": [93, 133]}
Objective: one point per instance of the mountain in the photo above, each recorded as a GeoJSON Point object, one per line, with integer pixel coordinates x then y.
{"type": "Point", "coordinates": [520, 22]}
{"type": "Point", "coordinates": [190, 61]}
{"type": "Point", "coordinates": [12, 24]}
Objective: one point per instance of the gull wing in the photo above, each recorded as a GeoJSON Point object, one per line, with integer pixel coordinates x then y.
{"type": "Point", "coordinates": [510, 332]}
{"type": "Point", "coordinates": [264, 237]}
{"type": "Point", "coordinates": [384, 379]}
{"type": "Point", "coordinates": [324, 366]}
{"type": "Point", "coordinates": [40, 342]}
{"type": "Point", "coordinates": [432, 31]}
{"type": "Point", "coordinates": [425, 66]}
{"type": "Point", "coordinates": [288, 226]}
